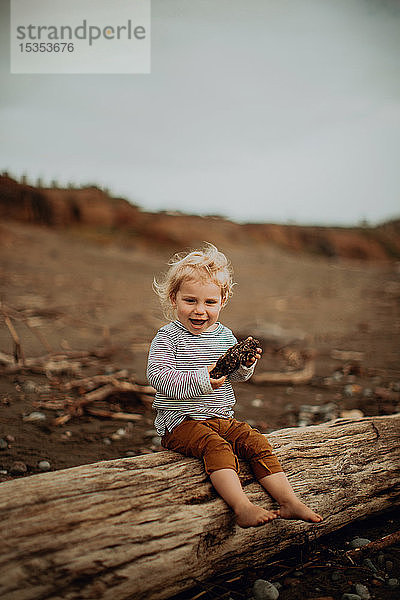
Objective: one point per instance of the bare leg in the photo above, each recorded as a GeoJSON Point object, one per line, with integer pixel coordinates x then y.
{"type": "Point", "coordinates": [278, 486]}
{"type": "Point", "coordinates": [228, 486]}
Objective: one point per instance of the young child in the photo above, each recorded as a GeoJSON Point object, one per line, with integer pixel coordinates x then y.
{"type": "Point", "coordinates": [195, 411]}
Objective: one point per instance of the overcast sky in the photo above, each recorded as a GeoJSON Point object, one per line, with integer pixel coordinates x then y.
{"type": "Point", "coordinates": [257, 110]}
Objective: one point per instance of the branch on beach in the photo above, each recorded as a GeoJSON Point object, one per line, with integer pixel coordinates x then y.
{"type": "Point", "coordinates": [385, 542]}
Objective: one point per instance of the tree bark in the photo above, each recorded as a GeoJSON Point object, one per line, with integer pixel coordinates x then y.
{"type": "Point", "coordinates": [147, 527]}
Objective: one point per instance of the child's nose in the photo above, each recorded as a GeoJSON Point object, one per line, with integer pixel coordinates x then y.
{"type": "Point", "coordinates": [200, 308]}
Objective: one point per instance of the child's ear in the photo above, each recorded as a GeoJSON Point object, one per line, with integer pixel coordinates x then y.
{"type": "Point", "coordinates": [172, 299]}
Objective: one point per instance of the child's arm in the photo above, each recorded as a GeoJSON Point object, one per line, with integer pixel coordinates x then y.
{"type": "Point", "coordinates": [166, 379]}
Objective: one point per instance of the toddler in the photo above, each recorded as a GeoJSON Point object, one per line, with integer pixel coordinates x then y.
{"type": "Point", "coordinates": [194, 411]}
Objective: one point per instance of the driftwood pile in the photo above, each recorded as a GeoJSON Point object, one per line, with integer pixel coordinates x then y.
{"type": "Point", "coordinates": [101, 387]}
{"type": "Point", "coordinates": [150, 526]}
{"type": "Point", "coordinates": [94, 393]}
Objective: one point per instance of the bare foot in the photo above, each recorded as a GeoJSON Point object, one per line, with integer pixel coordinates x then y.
{"type": "Point", "coordinates": [250, 515]}
{"type": "Point", "coordinates": [297, 510]}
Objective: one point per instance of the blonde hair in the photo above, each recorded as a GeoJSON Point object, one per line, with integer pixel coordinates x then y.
{"type": "Point", "coordinates": [207, 264]}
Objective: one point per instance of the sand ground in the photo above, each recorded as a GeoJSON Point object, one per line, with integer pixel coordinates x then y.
{"type": "Point", "coordinates": [82, 293]}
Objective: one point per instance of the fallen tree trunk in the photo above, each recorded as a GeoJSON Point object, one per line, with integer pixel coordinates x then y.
{"type": "Point", "coordinates": [146, 527]}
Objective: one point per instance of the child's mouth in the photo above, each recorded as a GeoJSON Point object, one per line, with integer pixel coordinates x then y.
{"type": "Point", "coordinates": [198, 322]}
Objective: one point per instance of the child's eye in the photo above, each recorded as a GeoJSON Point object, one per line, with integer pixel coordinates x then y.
{"type": "Point", "coordinates": [191, 300]}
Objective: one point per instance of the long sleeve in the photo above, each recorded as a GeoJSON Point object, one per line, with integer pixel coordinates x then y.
{"type": "Point", "coordinates": [167, 379]}
{"type": "Point", "coordinates": [243, 373]}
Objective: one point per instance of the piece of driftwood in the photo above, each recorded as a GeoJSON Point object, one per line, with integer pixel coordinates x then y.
{"type": "Point", "coordinates": [18, 351]}
{"type": "Point", "coordinates": [47, 365]}
{"type": "Point", "coordinates": [52, 364]}
{"type": "Point", "coordinates": [89, 383]}
{"type": "Point", "coordinates": [146, 527]}
{"type": "Point", "coordinates": [347, 355]}
{"type": "Point", "coordinates": [299, 377]}
{"type": "Point", "coordinates": [19, 315]}
{"type": "Point", "coordinates": [110, 414]}
{"type": "Point", "coordinates": [113, 388]}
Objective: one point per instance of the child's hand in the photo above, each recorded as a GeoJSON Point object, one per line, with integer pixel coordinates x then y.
{"type": "Point", "coordinates": [254, 358]}
{"type": "Point", "coordinates": [216, 383]}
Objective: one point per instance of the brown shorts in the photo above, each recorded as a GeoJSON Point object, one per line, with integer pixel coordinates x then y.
{"type": "Point", "coordinates": [220, 442]}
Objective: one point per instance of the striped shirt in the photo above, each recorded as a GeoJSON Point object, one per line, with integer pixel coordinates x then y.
{"type": "Point", "coordinates": [177, 369]}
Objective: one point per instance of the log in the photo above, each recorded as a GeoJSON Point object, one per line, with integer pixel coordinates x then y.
{"type": "Point", "coordinates": [146, 527]}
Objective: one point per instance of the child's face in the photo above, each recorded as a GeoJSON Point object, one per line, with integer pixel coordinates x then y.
{"type": "Point", "coordinates": [198, 305]}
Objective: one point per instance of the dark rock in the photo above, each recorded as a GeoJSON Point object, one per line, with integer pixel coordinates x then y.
{"type": "Point", "coordinates": [370, 565]}
{"type": "Point", "coordinates": [381, 559]}
{"type": "Point", "coordinates": [388, 566]}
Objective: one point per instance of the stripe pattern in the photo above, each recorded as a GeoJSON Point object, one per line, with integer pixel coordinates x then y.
{"type": "Point", "coordinates": [177, 369]}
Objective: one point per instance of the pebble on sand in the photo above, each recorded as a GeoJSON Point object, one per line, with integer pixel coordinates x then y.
{"type": "Point", "coordinates": [358, 542]}
{"type": "Point", "coordinates": [29, 386]}
{"type": "Point", "coordinates": [264, 590]}
{"type": "Point", "coordinates": [352, 414]}
{"type": "Point", "coordinates": [362, 591]}
{"type": "Point", "coordinates": [44, 465]}
{"type": "Point", "coordinates": [34, 416]}
{"type": "Point", "coordinates": [370, 565]}
{"type": "Point", "coordinates": [18, 468]}
{"type": "Point", "coordinates": [353, 389]}
{"type": "Point", "coordinates": [388, 566]}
